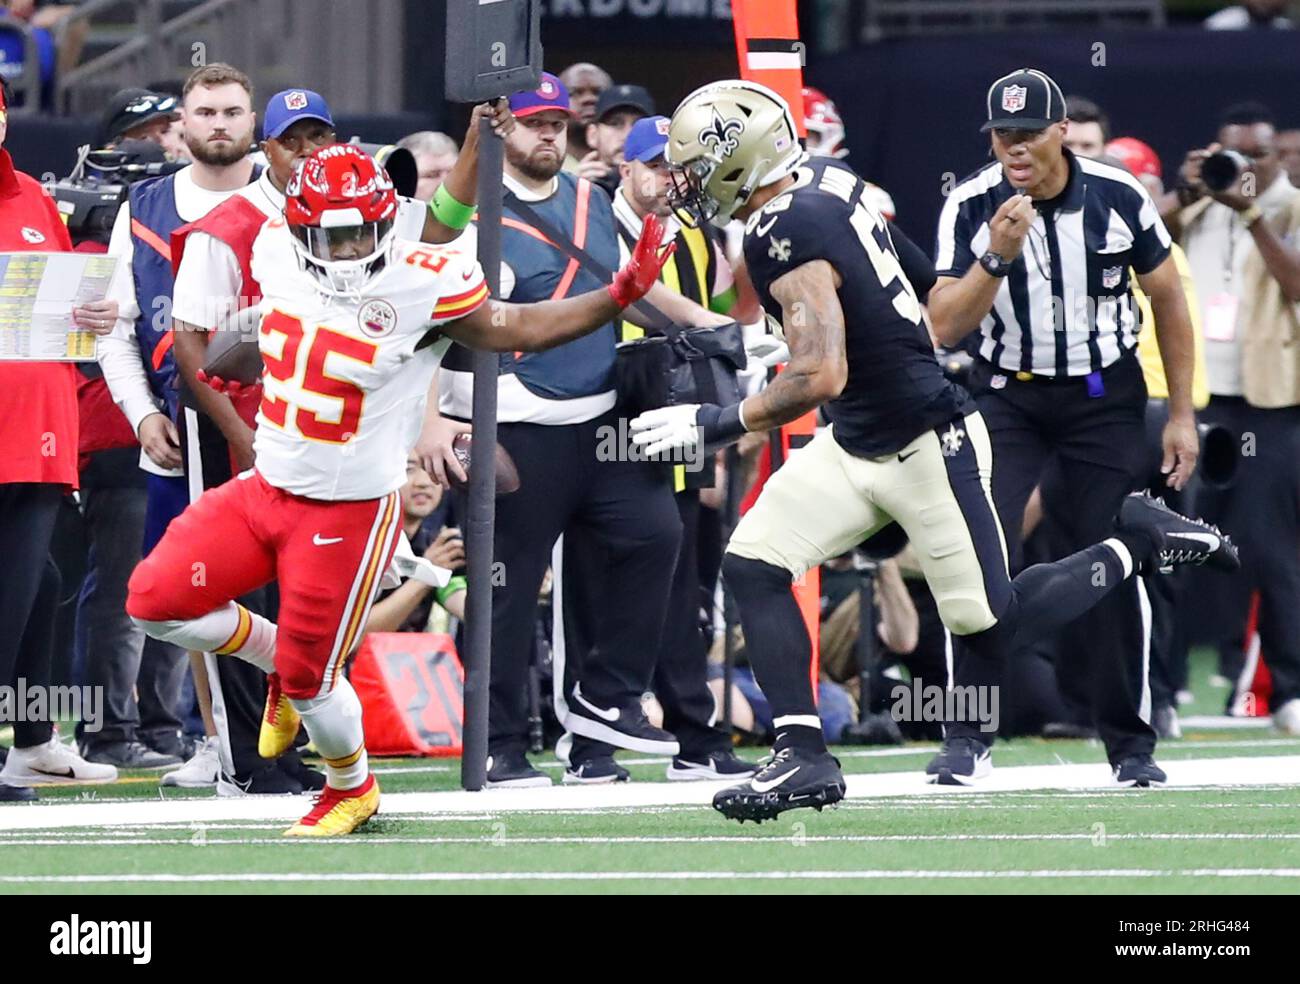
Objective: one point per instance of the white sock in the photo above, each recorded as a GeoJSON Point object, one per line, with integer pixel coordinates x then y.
{"type": "Point", "coordinates": [231, 630]}
{"type": "Point", "coordinates": [1122, 552]}
{"type": "Point", "coordinates": [334, 724]}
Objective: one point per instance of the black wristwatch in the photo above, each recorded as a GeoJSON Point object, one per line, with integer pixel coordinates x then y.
{"type": "Point", "coordinates": [994, 265]}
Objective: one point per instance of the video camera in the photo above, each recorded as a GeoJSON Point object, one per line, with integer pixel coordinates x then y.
{"type": "Point", "coordinates": [89, 197]}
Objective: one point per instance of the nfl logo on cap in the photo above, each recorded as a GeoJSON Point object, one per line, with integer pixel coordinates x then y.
{"type": "Point", "coordinates": [547, 89]}
{"type": "Point", "coordinates": [295, 100]}
{"type": "Point", "coordinates": [661, 125]}
{"type": "Point", "coordinates": [1013, 98]}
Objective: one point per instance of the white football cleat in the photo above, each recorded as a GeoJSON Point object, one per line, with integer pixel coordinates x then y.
{"type": "Point", "coordinates": [200, 771]}
{"type": "Point", "coordinates": [52, 762]}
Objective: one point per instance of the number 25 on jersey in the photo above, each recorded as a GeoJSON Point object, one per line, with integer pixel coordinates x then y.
{"type": "Point", "coordinates": [302, 370]}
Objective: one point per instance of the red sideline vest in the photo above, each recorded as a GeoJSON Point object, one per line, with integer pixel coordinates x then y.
{"type": "Point", "coordinates": [102, 423]}
{"type": "Point", "coordinates": [235, 222]}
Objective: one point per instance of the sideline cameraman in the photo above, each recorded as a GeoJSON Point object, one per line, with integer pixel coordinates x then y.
{"type": "Point", "coordinates": [1239, 231]}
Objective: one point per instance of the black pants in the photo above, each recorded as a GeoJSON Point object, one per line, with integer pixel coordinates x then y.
{"type": "Point", "coordinates": [1261, 511]}
{"type": "Point", "coordinates": [1100, 446]}
{"type": "Point", "coordinates": [627, 512]}
{"type": "Point", "coordinates": [142, 677]}
{"type": "Point", "coordinates": [29, 593]}
{"type": "Point", "coordinates": [680, 669]}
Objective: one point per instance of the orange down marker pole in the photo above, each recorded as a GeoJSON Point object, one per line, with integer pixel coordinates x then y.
{"type": "Point", "coordinates": [770, 53]}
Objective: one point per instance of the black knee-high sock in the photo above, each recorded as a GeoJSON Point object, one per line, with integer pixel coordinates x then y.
{"type": "Point", "coordinates": [1044, 597]}
{"type": "Point", "coordinates": [778, 648]}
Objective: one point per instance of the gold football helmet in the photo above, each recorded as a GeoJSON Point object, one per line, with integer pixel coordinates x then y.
{"type": "Point", "coordinates": [726, 139]}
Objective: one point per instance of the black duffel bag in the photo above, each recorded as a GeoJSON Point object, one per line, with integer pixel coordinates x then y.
{"type": "Point", "coordinates": [683, 365]}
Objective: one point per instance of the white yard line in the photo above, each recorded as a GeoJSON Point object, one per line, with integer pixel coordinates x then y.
{"type": "Point", "coordinates": [1228, 772]}
{"type": "Point", "coordinates": [282, 877]}
{"type": "Point", "coordinates": [490, 840]}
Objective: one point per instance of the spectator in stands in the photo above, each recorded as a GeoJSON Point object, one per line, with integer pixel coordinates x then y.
{"type": "Point", "coordinates": [1241, 246]}
{"type": "Point", "coordinates": [1251, 14]}
{"type": "Point", "coordinates": [618, 108]}
{"type": "Point", "coordinates": [138, 114]}
{"type": "Point", "coordinates": [38, 466]}
{"type": "Point", "coordinates": [1287, 143]}
{"type": "Point", "coordinates": [1087, 128]}
{"type": "Point", "coordinates": [408, 608]}
{"type": "Point", "coordinates": [585, 83]}
{"type": "Point", "coordinates": [435, 155]}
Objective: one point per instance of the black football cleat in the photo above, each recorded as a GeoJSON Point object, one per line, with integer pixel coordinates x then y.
{"type": "Point", "coordinates": [959, 762]}
{"type": "Point", "coordinates": [1180, 541]}
{"type": "Point", "coordinates": [1140, 771]}
{"type": "Point", "coordinates": [789, 780]}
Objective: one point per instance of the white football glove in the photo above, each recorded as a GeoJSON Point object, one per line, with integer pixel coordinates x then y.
{"type": "Point", "coordinates": [763, 346]}
{"type": "Point", "coordinates": [666, 429]}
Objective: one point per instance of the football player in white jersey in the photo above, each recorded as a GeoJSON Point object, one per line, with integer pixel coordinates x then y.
{"type": "Point", "coordinates": [353, 324]}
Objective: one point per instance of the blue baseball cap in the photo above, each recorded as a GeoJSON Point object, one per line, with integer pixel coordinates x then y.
{"type": "Point", "coordinates": [647, 139]}
{"type": "Point", "coordinates": [549, 94]}
{"type": "Point", "coordinates": [291, 105]}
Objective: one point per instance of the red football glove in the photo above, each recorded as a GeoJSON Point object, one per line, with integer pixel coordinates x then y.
{"type": "Point", "coordinates": [634, 281]}
{"type": "Point", "coordinates": [231, 387]}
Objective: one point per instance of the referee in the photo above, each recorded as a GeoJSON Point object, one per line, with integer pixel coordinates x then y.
{"type": "Point", "coordinates": [1034, 251]}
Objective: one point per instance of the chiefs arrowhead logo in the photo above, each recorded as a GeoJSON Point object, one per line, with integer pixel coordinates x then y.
{"type": "Point", "coordinates": [33, 235]}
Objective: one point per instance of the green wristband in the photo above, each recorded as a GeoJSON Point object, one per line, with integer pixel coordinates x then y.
{"type": "Point", "coordinates": [457, 583]}
{"type": "Point", "coordinates": [448, 211]}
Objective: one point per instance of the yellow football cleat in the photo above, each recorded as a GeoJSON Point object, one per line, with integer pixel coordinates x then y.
{"type": "Point", "coordinates": [339, 811]}
{"type": "Point", "coordinates": [280, 722]}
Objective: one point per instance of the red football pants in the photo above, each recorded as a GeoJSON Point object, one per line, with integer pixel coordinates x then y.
{"type": "Point", "coordinates": [328, 557]}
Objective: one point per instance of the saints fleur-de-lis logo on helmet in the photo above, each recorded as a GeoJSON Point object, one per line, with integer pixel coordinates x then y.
{"type": "Point", "coordinates": [722, 135]}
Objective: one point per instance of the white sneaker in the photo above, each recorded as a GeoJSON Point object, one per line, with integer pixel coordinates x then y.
{"type": "Point", "coordinates": [200, 771]}
{"type": "Point", "coordinates": [1287, 717]}
{"type": "Point", "coordinates": [53, 762]}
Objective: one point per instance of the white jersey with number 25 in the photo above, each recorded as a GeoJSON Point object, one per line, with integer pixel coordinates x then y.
{"type": "Point", "coordinates": [347, 377]}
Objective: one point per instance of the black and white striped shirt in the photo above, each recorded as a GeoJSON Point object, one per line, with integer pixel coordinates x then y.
{"type": "Point", "coordinates": [1065, 308]}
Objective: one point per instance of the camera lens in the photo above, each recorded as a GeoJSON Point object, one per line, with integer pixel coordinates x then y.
{"type": "Point", "coordinates": [1219, 171]}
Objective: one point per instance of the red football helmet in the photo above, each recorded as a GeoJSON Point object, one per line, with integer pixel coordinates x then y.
{"type": "Point", "coordinates": [1137, 156]}
{"type": "Point", "coordinates": [822, 121]}
{"type": "Point", "coordinates": [341, 208]}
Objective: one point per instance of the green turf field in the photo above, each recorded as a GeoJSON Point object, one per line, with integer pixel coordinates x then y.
{"type": "Point", "coordinates": [1221, 839]}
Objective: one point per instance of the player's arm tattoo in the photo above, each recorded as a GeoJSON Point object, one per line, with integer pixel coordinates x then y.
{"type": "Point", "coordinates": [814, 330]}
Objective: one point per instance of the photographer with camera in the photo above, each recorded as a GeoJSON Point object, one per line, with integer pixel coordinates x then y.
{"type": "Point", "coordinates": [1238, 224]}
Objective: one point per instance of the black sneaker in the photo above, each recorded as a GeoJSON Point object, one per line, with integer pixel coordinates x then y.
{"type": "Point", "coordinates": [512, 770]}
{"type": "Point", "coordinates": [16, 794]}
{"type": "Point", "coordinates": [594, 771]}
{"type": "Point", "coordinates": [717, 765]}
{"type": "Point", "coordinates": [960, 762]}
{"type": "Point", "coordinates": [625, 726]}
{"type": "Point", "coordinates": [128, 755]}
{"type": "Point", "coordinates": [266, 780]}
{"type": "Point", "coordinates": [790, 779]}
{"type": "Point", "coordinates": [1139, 770]}
{"type": "Point", "coordinates": [292, 765]}
{"type": "Point", "coordinates": [1178, 540]}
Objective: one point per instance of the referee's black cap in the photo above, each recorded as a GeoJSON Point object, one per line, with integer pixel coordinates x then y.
{"type": "Point", "coordinates": [1026, 99]}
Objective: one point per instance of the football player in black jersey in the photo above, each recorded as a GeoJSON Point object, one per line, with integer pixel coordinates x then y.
{"type": "Point", "coordinates": [905, 445]}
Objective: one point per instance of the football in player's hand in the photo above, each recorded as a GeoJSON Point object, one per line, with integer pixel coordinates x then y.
{"type": "Point", "coordinates": [232, 352]}
{"type": "Point", "coordinates": [507, 474]}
